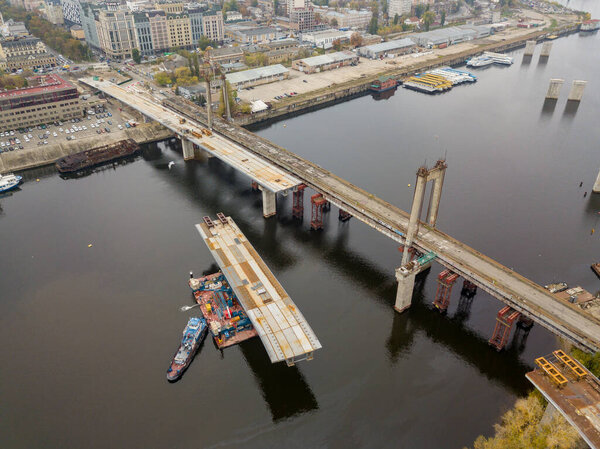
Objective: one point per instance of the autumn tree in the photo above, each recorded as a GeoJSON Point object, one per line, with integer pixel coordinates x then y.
{"type": "Point", "coordinates": [428, 19]}
{"type": "Point", "coordinates": [162, 78]}
{"type": "Point", "coordinates": [337, 44]}
{"type": "Point", "coordinates": [356, 40]}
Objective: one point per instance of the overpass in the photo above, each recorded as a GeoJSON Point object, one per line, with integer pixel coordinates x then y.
{"type": "Point", "coordinates": [520, 294]}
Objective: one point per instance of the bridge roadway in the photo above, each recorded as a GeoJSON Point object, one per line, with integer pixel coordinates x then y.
{"type": "Point", "coordinates": [561, 318]}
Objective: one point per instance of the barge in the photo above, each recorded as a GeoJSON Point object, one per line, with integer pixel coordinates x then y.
{"type": "Point", "coordinates": [227, 321]}
{"type": "Point", "coordinates": [97, 156]}
{"type": "Point", "coordinates": [383, 84]}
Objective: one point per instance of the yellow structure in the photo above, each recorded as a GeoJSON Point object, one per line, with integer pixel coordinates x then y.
{"type": "Point", "coordinates": [574, 366]}
{"type": "Point", "coordinates": [551, 371]}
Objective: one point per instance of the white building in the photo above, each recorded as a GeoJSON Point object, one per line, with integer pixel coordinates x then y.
{"type": "Point", "coordinates": [324, 39]}
{"type": "Point", "coordinates": [399, 7]}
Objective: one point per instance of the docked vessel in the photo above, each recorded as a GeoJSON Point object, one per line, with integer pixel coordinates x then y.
{"type": "Point", "coordinates": [193, 334]}
{"type": "Point", "coordinates": [428, 83]}
{"type": "Point", "coordinates": [9, 181]}
{"type": "Point", "coordinates": [479, 61]}
{"type": "Point", "coordinates": [590, 25]}
{"type": "Point", "coordinates": [596, 268]}
{"type": "Point", "coordinates": [97, 156]}
{"type": "Point", "coordinates": [383, 83]}
{"type": "Point", "coordinates": [556, 287]}
{"type": "Point", "coordinates": [499, 58]}
{"type": "Point", "coordinates": [454, 76]}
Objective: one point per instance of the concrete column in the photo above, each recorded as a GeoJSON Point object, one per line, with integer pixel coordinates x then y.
{"type": "Point", "coordinates": [548, 415]}
{"type": "Point", "coordinates": [226, 100]}
{"type": "Point", "coordinates": [546, 47]}
{"type": "Point", "coordinates": [436, 196]}
{"type": "Point", "coordinates": [188, 149]}
{"type": "Point", "coordinates": [413, 224]}
{"type": "Point", "coordinates": [269, 203]}
{"type": "Point", "coordinates": [406, 285]}
{"type": "Point", "coordinates": [530, 48]}
{"type": "Point", "coordinates": [596, 188]}
{"type": "Point", "coordinates": [554, 88]}
{"type": "Point", "coordinates": [209, 104]}
{"type": "Point", "coordinates": [577, 90]}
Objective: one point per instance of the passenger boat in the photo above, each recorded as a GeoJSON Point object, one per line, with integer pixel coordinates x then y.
{"type": "Point", "coordinates": [499, 58]}
{"type": "Point", "coordinates": [590, 25]}
{"type": "Point", "coordinates": [383, 83]}
{"type": "Point", "coordinates": [97, 156]}
{"type": "Point", "coordinates": [193, 334]}
{"type": "Point", "coordinates": [596, 268]}
{"type": "Point", "coordinates": [9, 181]}
{"type": "Point", "coordinates": [479, 61]}
{"type": "Point", "coordinates": [556, 287]}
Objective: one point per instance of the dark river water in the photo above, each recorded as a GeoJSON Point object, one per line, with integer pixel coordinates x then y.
{"type": "Point", "coordinates": [88, 333]}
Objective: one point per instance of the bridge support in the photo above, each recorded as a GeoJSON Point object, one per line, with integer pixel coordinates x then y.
{"type": "Point", "coordinates": [554, 88]}
{"type": "Point", "coordinates": [298, 202]}
{"type": "Point", "coordinates": [344, 216]}
{"type": "Point", "coordinates": [269, 202]}
{"type": "Point", "coordinates": [504, 323]}
{"type": "Point", "coordinates": [209, 103]}
{"type": "Point", "coordinates": [226, 98]}
{"type": "Point", "coordinates": [529, 48]}
{"type": "Point", "coordinates": [468, 289]}
{"type": "Point", "coordinates": [424, 175]}
{"type": "Point", "coordinates": [188, 149]}
{"type": "Point", "coordinates": [317, 203]}
{"type": "Point", "coordinates": [577, 90]}
{"type": "Point", "coordinates": [546, 47]}
{"type": "Point", "coordinates": [596, 188]}
{"type": "Point", "coordinates": [406, 285]}
{"type": "Point", "coordinates": [446, 280]}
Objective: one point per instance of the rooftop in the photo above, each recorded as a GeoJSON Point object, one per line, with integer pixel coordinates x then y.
{"type": "Point", "coordinates": [37, 85]}
{"type": "Point", "coordinates": [329, 58]}
{"type": "Point", "coordinates": [257, 31]}
{"type": "Point", "coordinates": [390, 45]}
{"type": "Point", "coordinates": [260, 72]}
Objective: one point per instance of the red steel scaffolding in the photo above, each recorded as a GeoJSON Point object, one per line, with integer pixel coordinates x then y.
{"type": "Point", "coordinates": [298, 202]}
{"type": "Point", "coordinates": [318, 202]}
{"type": "Point", "coordinates": [446, 280]}
{"type": "Point", "coordinates": [504, 323]}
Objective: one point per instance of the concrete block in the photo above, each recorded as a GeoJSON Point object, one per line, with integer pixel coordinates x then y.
{"type": "Point", "coordinates": [530, 48]}
{"type": "Point", "coordinates": [577, 90]}
{"type": "Point", "coordinates": [269, 203]}
{"type": "Point", "coordinates": [406, 285]}
{"type": "Point", "coordinates": [596, 188]}
{"type": "Point", "coordinates": [554, 88]}
{"type": "Point", "coordinates": [546, 47]}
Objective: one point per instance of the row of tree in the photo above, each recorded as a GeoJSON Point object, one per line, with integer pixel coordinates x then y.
{"type": "Point", "coordinates": [12, 81]}
{"type": "Point", "coordinates": [52, 35]}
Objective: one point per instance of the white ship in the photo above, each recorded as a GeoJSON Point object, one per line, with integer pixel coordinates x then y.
{"type": "Point", "coordinates": [9, 181]}
{"type": "Point", "coordinates": [479, 61]}
{"type": "Point", "coordinates": [499, 58]}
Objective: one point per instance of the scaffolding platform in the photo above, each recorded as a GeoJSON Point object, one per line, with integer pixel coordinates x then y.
{"type": "Point", "coordinates": [283, 330]}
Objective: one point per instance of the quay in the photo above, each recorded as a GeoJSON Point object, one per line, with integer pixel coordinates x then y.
{"type": "Point", "coordinates": [283, 330]}
{"type": "Point", "coordinates": [522, 295]}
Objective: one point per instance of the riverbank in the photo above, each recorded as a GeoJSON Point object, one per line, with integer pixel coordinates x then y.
{"type": "Point", "coordinates": [356, 87]}
{"type": "Point", "coordinates": [46, 155]}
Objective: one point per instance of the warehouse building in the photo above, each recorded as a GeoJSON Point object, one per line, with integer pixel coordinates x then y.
{"type": "Point", "coordinates": [47, 98]}
{"type": "Point", "coordinates": [260, 75]}
{"type": "Point", "coordinates": [325, 62]}
{"type": "Point", "coordinates": [385, 49]}
{"type": "Point", "coordinates": [450, 35]}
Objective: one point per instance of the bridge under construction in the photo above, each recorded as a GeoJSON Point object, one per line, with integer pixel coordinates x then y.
{"type": "Point", "coordinates": [420, 239]}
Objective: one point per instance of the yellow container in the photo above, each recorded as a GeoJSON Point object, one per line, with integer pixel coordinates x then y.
{"type": "Point", "coordinates": [208, 308]}
{"type": "Point", "coordinates": [235, 318]}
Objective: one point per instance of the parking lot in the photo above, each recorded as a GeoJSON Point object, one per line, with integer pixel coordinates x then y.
{"type": "Point", "coordinates": [103, 119]}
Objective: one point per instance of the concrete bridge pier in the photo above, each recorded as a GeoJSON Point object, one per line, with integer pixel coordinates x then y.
{"type": "Point", "coordinates": [554, 88]}
{"type": "Point", "coordinates": [269, 202]}
{"type": "Point", "coordinates": [529, 48]}
{"type": "Point", "coordinates": [577, 90]}
{"type": "Point", "coordinates": [209, 104]}
{"type": "Point", "coordinates": [546, 47]}
{"type": "Point", "coordinates": [406, 285]}
{"type": "Point", "coordinates": [596, 188]}
{"type": "Point", "coordinates": [188, 149]}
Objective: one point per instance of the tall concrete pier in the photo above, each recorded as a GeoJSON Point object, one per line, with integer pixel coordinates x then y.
{"type": "Point", "coordinates": [529, 48]}
{"type": "Point", "coordinates": [188, 149]}
{"type": "Point", "coordinates": [577, 90]}
{"type": "Point", "coordinates": [269, 200]}
{"type": "Point", "coordinates": [554, 88]}
{"type": "Point", "coordinates": [209, 104]}
{"type": "Point", "coordinates": [596, 188]}
{"type": "Point", "coordinates": [546, 47]}
{"type": "Point", "coordinates": [226, 98]}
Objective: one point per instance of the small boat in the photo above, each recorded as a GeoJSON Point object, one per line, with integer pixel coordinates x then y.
{"type": "Point", "coordinates": [556, 287]}
{"type": "Point", "coordinates": [596, 268]}
{"type": "Point", "coordinates": [9, 181]}
{"type": "Point", "coordinates": [479, 61]}
{"type": "Point", "coordinates": [193, 334]}
{"type": "Point", "coordinates": [383, 84]}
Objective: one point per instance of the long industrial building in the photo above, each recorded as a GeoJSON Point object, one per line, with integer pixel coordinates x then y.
{"type": "Point", "coordinates": [47, 99]}
{"type": "Point", "coordinates": [390, 48]}
{"type": "Point", "coordinates": [450, 35]}
{"type": "Point", "coordinates": [260, 75]}
{"type": "Point", "coordinates": [325, 62]}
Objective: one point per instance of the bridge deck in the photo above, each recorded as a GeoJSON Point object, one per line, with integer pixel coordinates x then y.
{"type": "Point", "coordinates": [266, 174]}
{"type": "Point", "coordinates": [280, 325]}
{"type": "Point", "coordinates": [564, 319]}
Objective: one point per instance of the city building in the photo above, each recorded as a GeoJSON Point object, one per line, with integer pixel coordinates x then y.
{"type": "Point", "coordinates": [170, 8]}
{"type": "Point", "coordinates": [302, 19]}
{"type": "Point", "coordinates": [399, 8]}
{"type": "Point", "coordinates": [346, 18]}
{"type": "Point", "coordinates": [53, 12]}
{"type": "Point", "coordinates": [325, 62]}
{"type": "Point", "coordinates": [260, 75]}
{"type": "Point", "coordinates": [88, 15]}
{"type": "Point", "coordinates": [450, 35]}
{"type": "Point", "coordinates": [325, 39]}
{"type": "Point", "coordinates": [116, 33]}
{"type": "Point", "coordinates": [253, 35]}
{"type": "Point", "coordinates": [25, 53]}
{"type": "Point", "coordinates": [77, 32]}
{"type": "Point", "coordinates": [47, 98]}
{"type": "Point", "coordinates": [159, 30]}
{"type": "Point", "coordinates": [71, 12]}
{"type": "Point", "coordinates": [385, 49]}
{"type": "Point", "coordinates": [179, 29]}
{"type": "Point", "coordinates": [234, 16]}
{"type": "Point", "coordinates": [10, 28]}
{"type": "Point", "coordinates": [143, 33]}
{"type": "Point", "coordinates": [227, 55]}
{"type": "Point", "coordinates": [213, 26]}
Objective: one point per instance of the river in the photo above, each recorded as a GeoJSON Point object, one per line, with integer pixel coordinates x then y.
{"type": "Point", "coordinates": [88, 332]}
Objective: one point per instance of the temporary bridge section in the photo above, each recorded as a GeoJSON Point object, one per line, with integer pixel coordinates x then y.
{"type": "Point", "coordinates": [281, 327]}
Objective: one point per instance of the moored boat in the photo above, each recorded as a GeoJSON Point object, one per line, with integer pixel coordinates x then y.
{"type": "Point", "coordinates": [556, 287]}
{"type": "Point", "coordinates": [596, 268]}
{"type": "Point", "coordinates": [97, 156]}
{"type": "Point", "coordinates": [9, 181]}
{"type": "Point", "coordinates": [193, 334]}
{"type": "Point", "coordinates": [384, 83]}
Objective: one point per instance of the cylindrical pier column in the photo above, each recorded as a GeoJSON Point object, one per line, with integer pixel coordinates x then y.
{"type": "Point", "coordinates": [546, 47]}
{"type": "Point", "coordinates": [577, 90]}
{"type": "Point", "coordinates": [406, 285]}
{"type": "Point", "coordinates": [554, 88]}
{"type": "Point", "coordinates": [226, 99]}
{"type": "Point", "coordinates": [530, 48]}
{"type": "Point", "coordinates": [188, 149]}
{"type": "Point", "coordinates": [209, 104]}
{"type": "Point", "coordinates": [596, 188]}
{"type": "Point", "coordinates": [415, 212]}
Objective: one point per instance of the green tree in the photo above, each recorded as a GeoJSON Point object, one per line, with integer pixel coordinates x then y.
{"type": "Point", "coordinates": [254, 3]}
{"type": "Point", "coordinates": [373, 25]}
{"type": "Point", "coordinates": [396, 18]}
{"type": "Point", "coordinates": [162, 78]}
{"type": "Point", "coordinates": [428, 19]}
{"type": "Point", "coordinates": [337, 45]}
{"type": "Point", "coordinates": [334, 23]}
{"type": "Point", "coordinates": [419, 10]}
{"type": "Point", "coordinates": [356, 39]}
{"type": "Point", "coordinates": [204, 42]}
{"type": "Point", "coordinates": [230, 5]}
{"type": "Point", "coordinates": [135, 55]}
{"type": "Point", "coordinates": [443, 18]}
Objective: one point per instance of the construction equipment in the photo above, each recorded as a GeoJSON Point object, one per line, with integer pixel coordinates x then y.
{"type": "Point", "coordinates": [573, 365]}
{"type": "Point", "coordinates": [551, 371]}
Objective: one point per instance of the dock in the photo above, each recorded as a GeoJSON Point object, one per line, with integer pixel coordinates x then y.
{"type": "Point", "coordinates": [283, 330]}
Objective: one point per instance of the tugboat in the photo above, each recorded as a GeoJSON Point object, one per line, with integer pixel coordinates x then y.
{"type": "Point", "coordinates": [193, 334]}
{"type": "Point", "coordinates": [9, 181]}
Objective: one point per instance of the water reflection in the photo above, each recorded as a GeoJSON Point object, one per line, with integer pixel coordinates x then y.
{"type": "Point", "coordinates": [542, 62]}
{"type": "Point", "coordinates": [378, 96]}
{"type": "Point", "coordinates": [549, 106]}
{"type": "Point", "coordinates": [571, 109]}
{"type": "Point", "coordinates": [526, 60]}
{"type": "Point", "coordinates": [283, 387]}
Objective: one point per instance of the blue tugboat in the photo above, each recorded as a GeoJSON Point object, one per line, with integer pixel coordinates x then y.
{"type": "Point", "coordinates": [9, 181]}
{"type": "Point", "coordinates": [193, 334]}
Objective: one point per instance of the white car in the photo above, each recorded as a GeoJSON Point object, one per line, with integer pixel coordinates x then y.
{"type": "Point", "coordinates": [30, 136]}
{"type": "Point", "coordinates": [60, 130]}
{"type": "Point", "coordinates": [67, 131]}
{"type": "Point", "coordinates": [102, 120]}
{"type": "Point", "coordinates": [120, 127]}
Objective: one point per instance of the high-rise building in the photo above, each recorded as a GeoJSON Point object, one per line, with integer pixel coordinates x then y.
{"type": "Point", "coordinates": [143, 33]}
{"type": "Point", "coordinates": [88, 13]}
{"type": "Point", "coordinates": [399, 7]}
{"type": "Point", "coordinates": [159, 30]}
{"type": "Point", "coordinates": [179, 30]}
{"type": "Point", "coordinates": [26, 52]}
{"type": "Point", "coordinates": [53, 12]}
{"type": "Point", "coordinates": [212, 25]}
{"type": "Point", "coordinates": [116, 33]}
{"type": "Point", "coordinates": [302, 19]}
{"type": "Point", "coordinates": [71, 12]}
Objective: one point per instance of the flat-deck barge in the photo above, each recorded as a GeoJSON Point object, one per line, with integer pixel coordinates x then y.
{"type": "Point", "coordinates": [97, 156]}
